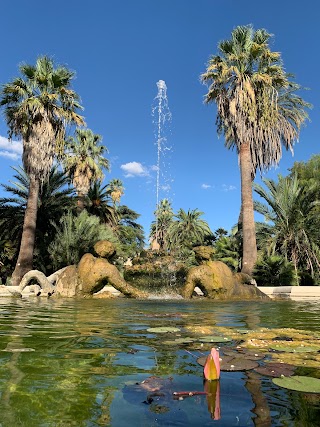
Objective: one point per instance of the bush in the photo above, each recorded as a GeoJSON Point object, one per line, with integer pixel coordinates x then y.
{"type": "Point", "coordinates": [274, 270]}
{"type": "Point", "coordinates": [76, 235]}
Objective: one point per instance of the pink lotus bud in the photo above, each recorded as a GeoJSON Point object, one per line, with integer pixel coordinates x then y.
{"type": "Point", "coordinates": [211, 370]}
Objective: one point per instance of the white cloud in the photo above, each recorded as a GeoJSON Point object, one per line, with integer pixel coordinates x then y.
{"type": "Point", "coordinates": [228, 187]}
{"type": "Point", "coordinates": [10, 149]}
{"type": "Point", "coordinates": [133, 169]}
{"type": "Point", "coordinates": [205, 186]}
{"type": "Point", "coordinates": [9, 155]}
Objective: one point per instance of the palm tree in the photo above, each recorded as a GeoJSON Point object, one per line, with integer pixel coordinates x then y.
{"type": "Point", "coordinates": [188, 229]}
{"type": "Point", "coordinates": [100, 204]}
{"type": "Point", "coordinates": [116, 190]}
{"type": "Point", "coordinates": [292, 223]}
{"type": "Point", "coordinates": [54, 199]}
{"type": "Point", "coordinates": [84, 161]}
{"type": "Point", "coordinates": [226, 249]}
{"type": "Point", "coordinates": [159, 228]}
{"type": "Point", "coordinates": [128, 220]}
{"type": "Point", "coordinates": [258, 112]}
{"type": "Point", "coordinates": [37, 107]}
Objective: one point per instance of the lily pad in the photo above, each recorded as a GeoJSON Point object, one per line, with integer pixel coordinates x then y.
{"type": "Point", "coordinates": [250, 355]}
{"type": "Point", "coordinates": [294, 349]}
{"type": "Point", "coordinates": [299, 383]}
{"type": "Point", "coordinates": [243, 331]}
{"type": "Point", "coordinates": [238, 364]}
{"type": "Point", "coordinates": [214, 339]}
{"type": "Point", "coordinates": [185, 340]}
{"type": "Point", "coordinates": [274, 369]}
{"type": "Point", "coordinates": [202, 360]}
{"type": "Point", "coordinates": [231, 364]}
{"type": "Point", "coordinates": [163, 329]}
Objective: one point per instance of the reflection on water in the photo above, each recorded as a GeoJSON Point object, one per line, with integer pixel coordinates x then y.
{"type": "Point", "coordinates": [81, 363]}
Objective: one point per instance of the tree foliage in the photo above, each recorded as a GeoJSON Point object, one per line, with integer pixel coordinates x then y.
{"type": "Point", "coordinates": [37, 106]}
{"type": "Point", "coordinates": [274, 270]}
{"type": "Point", "coordinates": [54, 199]}
{"type": "Point", "coordinates": [292, 223]}
{"type": "Point", "coordinates": [84, 161]}
{"type": "Point", "coordinates": [258, 112]}
{"type": "Point", "coordinates": [159, 227]}
{"type": "Point", "coordinates": [187, 230]}
{"type": "Point", "coordinates": [75, 236]}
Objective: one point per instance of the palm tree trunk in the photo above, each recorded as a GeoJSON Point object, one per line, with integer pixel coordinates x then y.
{"type": "Point", "coordinates": [25, 257]}
{"type": "Point", "coordinates": [80, 202]}
{"type": "Point", "coordinates": [249, 255]}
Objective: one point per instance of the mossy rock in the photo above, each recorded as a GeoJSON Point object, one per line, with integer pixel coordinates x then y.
{"type": "Point", "coordinates": [204, 253]}
{"type": "Point", "coordinates": [104, 249]}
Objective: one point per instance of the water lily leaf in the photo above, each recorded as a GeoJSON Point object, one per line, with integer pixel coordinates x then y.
{"type": "Point", "coordinates": [214, 339]}
{"type": "Point", "coordinates": [185, 340]}
{"type": "Point", "coordinates": [299, 383]}
{"type": "Point", "coordinates": [230, 364]}
{"type": "Point", "coordinates": [274, 369]}
{"type": "Point", "coordinates": [282, 338]}
{"type": "Point", "coordinates": [293, 349]}
{"type": "Point", "coordinates": [202, 360]}
{"type": "Point", "coordinates": [163, 329]}
{"type": "Point", "coordinates": [238, 364]}
{"type": "Point", "coordinates": [250, 355]}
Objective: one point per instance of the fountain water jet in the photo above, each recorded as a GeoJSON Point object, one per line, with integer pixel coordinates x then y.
{"type": "Point", "coordinates": [162, 117]}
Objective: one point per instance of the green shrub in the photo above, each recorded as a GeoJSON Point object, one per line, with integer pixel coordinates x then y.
{"type": "Point", "coordinates": [76, 235]}
{"type": "Point", "coordinates": [274, 270]}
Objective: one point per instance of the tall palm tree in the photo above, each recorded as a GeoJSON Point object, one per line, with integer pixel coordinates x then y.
{"type": "Point", "coordinates": [188, 229]}
{"type": "Point", "coordinates": [101, 204]}
{"type": "Point", "coordinates": [292, 221]}
{"type": "Point", "coordinates": [37, 107]}
{"type": "Point", "coordinates": [116, 190]}
{"type": "Point", "coordinates": [258, 111]}
{"type": "Point", "coordinates": [54, 199]}
{"type": "Point", "coordinates": [160, 226]}
{"type": "Point", "coordinates": [84, 161]}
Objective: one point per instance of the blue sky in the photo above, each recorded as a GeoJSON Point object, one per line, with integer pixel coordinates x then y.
{"type": "Point", "coordinates": [120, 50]}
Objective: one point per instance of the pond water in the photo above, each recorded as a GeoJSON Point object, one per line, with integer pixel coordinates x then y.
{"type": "Point", "coordinates": [81, 363]}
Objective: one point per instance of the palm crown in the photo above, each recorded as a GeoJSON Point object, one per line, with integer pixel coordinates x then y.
{"type": "Point", "coordinates": [38, 105]}
{"type": "Point", "coordinates": [84, 159]}
{"type": "Point", "coordinates": [256, 100]}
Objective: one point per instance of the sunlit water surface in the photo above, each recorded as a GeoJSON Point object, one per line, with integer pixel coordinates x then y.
{"type": "Point", "coordinates": [77, 363]}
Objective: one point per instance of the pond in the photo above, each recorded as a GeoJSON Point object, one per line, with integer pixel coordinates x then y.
{"type": "Point", "coordinates": [89, 363]}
